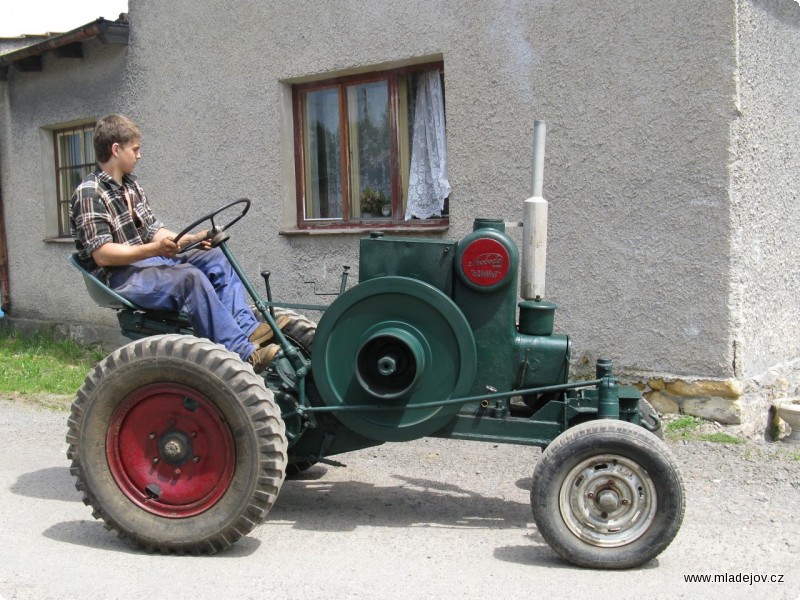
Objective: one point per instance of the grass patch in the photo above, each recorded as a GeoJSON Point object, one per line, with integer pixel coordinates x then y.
{"type": "Point", "coordinates": [695, 428]}
{"type": "Point", "coordinates": [720, 438]}
{"type": "Point", "coordinates": [42, 365]}
{"type": "Point", "coordinates": [683, 428]}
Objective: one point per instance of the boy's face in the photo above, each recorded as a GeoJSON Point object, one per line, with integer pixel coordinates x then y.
{"type": "Point", "coordinates": [128, 155]}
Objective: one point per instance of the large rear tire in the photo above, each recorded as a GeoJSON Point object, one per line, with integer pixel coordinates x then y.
{"type": "Point", "coordinates": [298, 328]}
{"type": "Point", "coordinates": [177, 444]}
{"type": "Point", "coordinates": [607, 494]}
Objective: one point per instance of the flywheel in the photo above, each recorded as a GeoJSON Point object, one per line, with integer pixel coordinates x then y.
{"type": "Point", "coordinates": [393, 345]}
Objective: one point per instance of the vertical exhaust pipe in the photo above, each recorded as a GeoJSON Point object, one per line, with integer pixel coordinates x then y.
{"type": "Point", "coordinates": [534, 224]}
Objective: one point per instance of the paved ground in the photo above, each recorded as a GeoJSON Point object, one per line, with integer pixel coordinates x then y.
{"type": "Point", "coordinates": [430, 518]}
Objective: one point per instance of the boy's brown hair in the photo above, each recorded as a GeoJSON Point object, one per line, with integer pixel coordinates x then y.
{"type": "Point", "coordinates": [110, 130]}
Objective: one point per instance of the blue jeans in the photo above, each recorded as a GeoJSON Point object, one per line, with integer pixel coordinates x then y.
{"type": "Point", "coordinates": [201, 284]}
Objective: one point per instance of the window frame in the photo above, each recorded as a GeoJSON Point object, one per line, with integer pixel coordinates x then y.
{"type": "Point", "coordinates": [348, 222]}
{"type": "Point", "coordinates": [84, 128]}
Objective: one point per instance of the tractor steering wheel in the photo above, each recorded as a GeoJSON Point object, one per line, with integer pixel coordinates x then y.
{"type": "Point", "coordinates": [215, 232]}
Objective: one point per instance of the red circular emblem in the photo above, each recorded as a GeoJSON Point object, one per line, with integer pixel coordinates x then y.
{"type": "Point", "coordinates": [485, 262]}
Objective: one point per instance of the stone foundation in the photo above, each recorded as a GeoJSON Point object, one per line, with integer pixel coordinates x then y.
{"type": "Point", "coordinates": [745, 407]}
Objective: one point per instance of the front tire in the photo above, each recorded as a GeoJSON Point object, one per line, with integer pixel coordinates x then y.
{"type": "Point", "coordinates": [177, 445]}
{"type": "Point", "coordinates": [607, 494]}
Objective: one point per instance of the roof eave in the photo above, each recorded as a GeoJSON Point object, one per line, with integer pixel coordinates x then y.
{"type": "Point", "coordinates": [108, 32]}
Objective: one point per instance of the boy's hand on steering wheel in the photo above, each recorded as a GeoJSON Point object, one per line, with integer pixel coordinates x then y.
{"type": "Point", "coordinates": [167, 247]}
{"type": "Point", "coordinates": [204, 238]}
{"type": "Point", "coordinates": [201, 237]}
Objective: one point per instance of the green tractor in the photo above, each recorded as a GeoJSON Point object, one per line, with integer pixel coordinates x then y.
{"type": "Point", "coordinates": [179, 446]}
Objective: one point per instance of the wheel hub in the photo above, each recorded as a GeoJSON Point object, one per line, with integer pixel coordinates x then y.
{"type": "Point", "coordinates": [175, 447]}
{"type": "Point", "coordinates": [608, 501]}
{"type": "Point", "coordinates": [391, 363]}
{"type": "Point", "coordinates": [170, 450]}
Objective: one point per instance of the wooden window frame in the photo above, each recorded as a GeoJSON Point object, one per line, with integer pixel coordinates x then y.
{"type": "Point", "coordinates": [347, 222]}
{"type": "Point", "coordinates": [63, 228]}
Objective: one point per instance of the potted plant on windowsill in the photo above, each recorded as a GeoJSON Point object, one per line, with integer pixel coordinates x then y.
{"type": "Point", "coordinates": [386, 208]}
{"type": "Point", "coordinates": [373, 203]}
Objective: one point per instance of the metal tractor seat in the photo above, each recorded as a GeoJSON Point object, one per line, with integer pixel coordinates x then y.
{"type": "Point", "coordinates": [136, 322]}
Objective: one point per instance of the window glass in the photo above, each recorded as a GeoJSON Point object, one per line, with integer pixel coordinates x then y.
{"type": "Point", "coordinates": [74, 160]}
{"type": "Point", "coordinates": [323, 162]}
{"type": "Point", "coordinates": [369, 149]}
{"type": "Point", "coordinates": [359, 145]}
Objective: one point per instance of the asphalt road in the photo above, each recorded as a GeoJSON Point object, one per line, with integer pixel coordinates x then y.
{"type": "Point", "coordinates": [430, 518]}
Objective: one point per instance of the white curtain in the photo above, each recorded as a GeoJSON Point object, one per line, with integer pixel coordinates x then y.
{"type": "Point", "coordinates": [427, 181]}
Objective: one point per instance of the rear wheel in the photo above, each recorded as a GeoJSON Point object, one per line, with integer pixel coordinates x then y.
{"type": "Point", "coordinates": [607, 494]}
{"type": "Point", "coordinates": [298, 328]}
{"type": "Point", "coordinates": [177, 444]}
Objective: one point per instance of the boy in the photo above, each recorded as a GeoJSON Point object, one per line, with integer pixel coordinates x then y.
{"type": "Point", "coordinates": [119, 239]}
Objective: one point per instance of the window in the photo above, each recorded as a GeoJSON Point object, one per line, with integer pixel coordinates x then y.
{"type": "Point", "coordinates": [371, 148]}
{"type": "Point", "coordinates": [74, 154]}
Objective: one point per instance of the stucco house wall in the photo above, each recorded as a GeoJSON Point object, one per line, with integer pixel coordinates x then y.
{"type": "Point", "coordinates": [765, 186]}
{"type": "Point", "coordinates": [670, 167]}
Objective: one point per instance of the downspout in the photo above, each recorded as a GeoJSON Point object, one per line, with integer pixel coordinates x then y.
{"type": "Point", "coordinates": [5, 298]}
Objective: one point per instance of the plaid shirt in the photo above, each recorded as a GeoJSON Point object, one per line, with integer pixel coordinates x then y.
{"type": "Point", "coordinates": [100, 215]}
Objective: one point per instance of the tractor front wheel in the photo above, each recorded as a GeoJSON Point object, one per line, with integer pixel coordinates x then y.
{"type": "Point", "coordinates": [607, 494]}
{"type": "Point", "coordinates": [177, 445]}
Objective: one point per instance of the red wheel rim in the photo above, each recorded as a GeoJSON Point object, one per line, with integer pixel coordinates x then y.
{"type": "Point", "coordinates": [170, 450]}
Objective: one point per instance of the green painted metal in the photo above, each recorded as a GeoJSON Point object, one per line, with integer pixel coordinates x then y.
{"type": "Point", "coordinates": [540, 360]}
{"type": "Point", "coordinates": [608, 406]}
{"type": "Point", "coordinates": [482, 398]}
{"type": "Point", "coordinates": [536, 317]}
{"type": "Point", "coordinates": [491, 309]}
{"type": "Point", "coordinates": [415, 300]}
{"type": "Point", "coordinates": [393, 319]}
{"type": "Point", "coordinates": [426, 260]}
{"type": "Point", "coordinates": [314, 307]}
{"type": "Point", "coordinates": [508, 358]}
{"type": "Point", "coordinates": [524, 432]}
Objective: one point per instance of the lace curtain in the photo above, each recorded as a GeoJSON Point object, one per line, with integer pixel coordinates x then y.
{"type": "Point", "coordinates": [427, 182]}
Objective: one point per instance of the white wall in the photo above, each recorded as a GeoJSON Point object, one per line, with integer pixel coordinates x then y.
{"type": "Point", "coordinates": [765, 186]}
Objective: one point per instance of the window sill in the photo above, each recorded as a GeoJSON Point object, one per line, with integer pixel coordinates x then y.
{"type": "Point", "coordinates": [435, 226]}
{"type": "Point", "coordinates": [59, 240]}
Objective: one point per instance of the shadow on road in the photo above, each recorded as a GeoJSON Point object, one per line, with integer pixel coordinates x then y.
{"type": "Point", "coordinates": [92, 534]}
{"type": "Point", "coordinates": [56, 483]}
{"type": "Point", "coordinates": [539, 554]}
{"type": "Point", "coordinates": [53, 483]}
{"type": "Point", "coordinates": [319, 505]}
